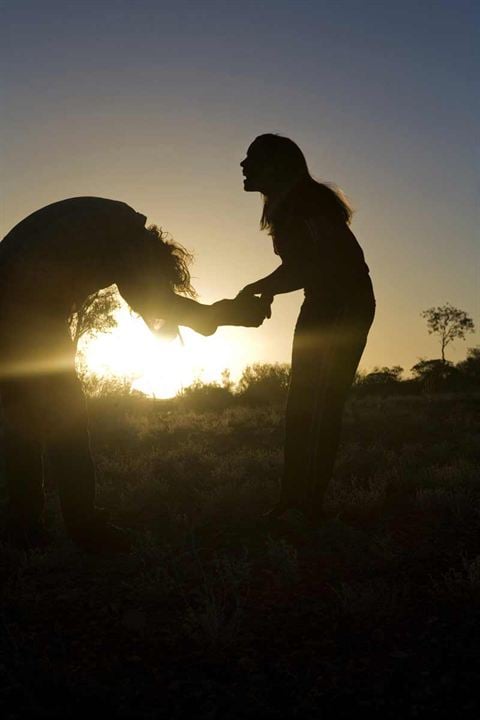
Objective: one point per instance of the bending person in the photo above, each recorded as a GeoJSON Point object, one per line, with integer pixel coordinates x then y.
{"type": "Point", "coordinates": [49, 264]}
{"type": "Point", "coordinates": [309, 225]}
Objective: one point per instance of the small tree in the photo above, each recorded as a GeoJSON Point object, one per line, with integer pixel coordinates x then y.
{"type": "Point", "coordinates": [380, 381]}
{"type": "Point", "coordinates": [264, 383]}
{"type": "Point", "coordinates": [383, 376]}
{"type": "Point", "coordinates": [202, 396]}
{"type": "Point", "coordinates": [436, 375]}
{"type": "Point", "coordinates": [95, 315]}
{"type": "Point", "coordinates": [449, 323]}
{"type": "Point", "coordinates": [470, 368]}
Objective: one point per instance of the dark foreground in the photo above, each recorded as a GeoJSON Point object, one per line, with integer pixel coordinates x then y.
{"type": "Point", "coordinates": [216, 615]}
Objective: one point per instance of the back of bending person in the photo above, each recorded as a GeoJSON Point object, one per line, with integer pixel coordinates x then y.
{"type": "Point", "coordinates": [50, 263]}
{"type": "Point", "coordinates": [309, 225]}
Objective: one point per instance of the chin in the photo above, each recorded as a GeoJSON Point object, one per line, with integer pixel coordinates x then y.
{"type": "Point", "coordinates": [248, 186]}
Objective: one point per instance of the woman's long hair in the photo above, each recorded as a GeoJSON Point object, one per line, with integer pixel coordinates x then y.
{"type": "Point", "coordinates": [304, 196]}
{"type": "Point", "coordinates": [174, 261]}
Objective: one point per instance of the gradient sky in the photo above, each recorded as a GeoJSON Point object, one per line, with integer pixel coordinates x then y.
{"type": "Point", "coordinates": [155, 103]}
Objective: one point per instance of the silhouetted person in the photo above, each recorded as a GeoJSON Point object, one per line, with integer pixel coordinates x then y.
{"type": "Point", "coordinates": [309, 225]}
{"type": "Point", "coordinates": [50, 263]}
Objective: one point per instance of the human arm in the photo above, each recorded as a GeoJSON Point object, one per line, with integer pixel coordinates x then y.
{"type": "Point", "coordinates": [300, 248]}
{"type": "Point", "coordinates": [245, 312]}
{"type": "Point", "coordinates": [282, 280]}
{"type": "Point", "coordinates": [157, 303]}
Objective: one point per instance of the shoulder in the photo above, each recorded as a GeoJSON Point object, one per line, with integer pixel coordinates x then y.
{"type": "Point", "coordinates": [87, 207]}
{"type": "Point", "coordinates": [77, 209]}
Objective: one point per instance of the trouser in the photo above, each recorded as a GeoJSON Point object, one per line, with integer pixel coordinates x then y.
{"type": "Point", "coordinates": [46, 415]}
{"type": "Point", "coordinates": [327, 348]}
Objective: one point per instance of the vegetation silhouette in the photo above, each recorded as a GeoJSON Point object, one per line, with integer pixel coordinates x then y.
{"type": "Point", "coordinates": [309, 225]}
{"type": "Point", "coordinates": [95, 315]}
{"type": "Point", "coordinates": [52, 264]}
{"type": "Point", "coordinates": [264, 383]}
{"type": "Point", "coordinates": [212, 612]}
{"type": "Point", "coordinates": [449, 323]}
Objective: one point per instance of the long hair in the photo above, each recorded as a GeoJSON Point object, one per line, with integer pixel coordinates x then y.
{"type": "Point", "coordinates": [174, 260]}
{"type": "Point", "coordinates": [304, 196]}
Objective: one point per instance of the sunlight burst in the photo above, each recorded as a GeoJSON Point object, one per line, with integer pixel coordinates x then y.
{"type": "Point", "coordinates": [159, 368]}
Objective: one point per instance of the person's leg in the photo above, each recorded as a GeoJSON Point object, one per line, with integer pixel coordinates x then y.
{"type": "Point", "coordinates": [68, 448]}
{"type": "Point", "coordinates": [300, 411]}
{"type": "Point", "coordinates": [71, 463]}
{"type": "Point", "coordinates": [22, 460]}
{"type": "Point", "coordinates": [337, 378]}
{"type": "Point", "coordinates": [32, 342]}
{"type": "Point", "coordinates": [324, 360]}
{"type": "Point", "coordinates": [298, 421]}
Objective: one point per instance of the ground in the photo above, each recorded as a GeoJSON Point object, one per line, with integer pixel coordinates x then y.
{"type": "Point", "coordinates": [217, 614]}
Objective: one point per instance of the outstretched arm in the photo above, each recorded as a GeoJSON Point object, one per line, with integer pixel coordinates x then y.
{"type": "Point", "coordinates": [246, 312]}
{"type": "Point", "coordinates": [282, 280]}
{"type": "Point", "coordinates": [300, 260]}
{"type": "Point", "coordinates": [156, 303]}
{"type": "Point", "coordinates": [192, 314]}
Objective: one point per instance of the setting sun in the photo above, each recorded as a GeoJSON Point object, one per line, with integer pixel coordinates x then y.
{"type": "Point", "coordinates": [159, 368]}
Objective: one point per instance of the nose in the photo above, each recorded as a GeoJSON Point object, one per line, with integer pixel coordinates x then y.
{"type": "Point", "coordinates": [242, 163]}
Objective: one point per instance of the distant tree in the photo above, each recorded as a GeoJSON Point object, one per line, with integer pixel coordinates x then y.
{"type": "Point", "coordinates": [264, 383]}
{"type": "Point", "coordinates": [206, 396]}
{"type": "Point", "coordinates": [380, 381]}
{"type": "Point", "coordinates": [383, 376]}
{"type": "Point", "coordinates": [95, 315]}
{"type": "Point", "coordinates": [436, 374]}
{"type": "Point", "coordinates": [470, 368]}
{"type": "Point", "coordinates": [449, 323]}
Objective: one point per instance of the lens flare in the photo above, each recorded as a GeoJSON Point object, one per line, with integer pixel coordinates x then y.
{"type": "Point", "coordinates": [156, 367]}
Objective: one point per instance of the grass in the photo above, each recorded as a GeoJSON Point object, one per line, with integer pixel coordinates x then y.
{"type": "Point", "coordinates": [217, 615]}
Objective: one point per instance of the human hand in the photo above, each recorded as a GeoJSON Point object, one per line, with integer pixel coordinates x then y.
{"type": "Point", "coordinates": [253, 289]}
{"type": "Point", "coordinates": [250, 289]}
{"type": "Point", "coordinates": [244, 310]}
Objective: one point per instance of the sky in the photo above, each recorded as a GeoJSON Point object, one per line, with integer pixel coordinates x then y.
{"type": "Point", "coordinates": [154, 103]}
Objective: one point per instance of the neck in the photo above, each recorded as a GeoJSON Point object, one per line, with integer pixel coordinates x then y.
{"type": "Point", "coordinates": [275, 197]}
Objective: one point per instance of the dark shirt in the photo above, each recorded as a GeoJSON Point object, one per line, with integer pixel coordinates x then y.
{"type": "Point", "coordinates": [64, 252]}
{"type": "Point", "coordinates": [325, 258]}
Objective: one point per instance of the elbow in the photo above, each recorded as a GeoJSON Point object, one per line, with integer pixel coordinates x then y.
{"type": "Point", "coordinates": [203, 326]}
{"type": "Point", "coordinates": [206, 330]}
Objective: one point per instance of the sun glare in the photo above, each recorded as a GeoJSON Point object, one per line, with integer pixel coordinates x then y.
{"type": "Point", "coordinates": [156, 367]}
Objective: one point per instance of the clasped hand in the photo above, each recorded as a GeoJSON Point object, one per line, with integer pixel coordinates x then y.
{"type": "Point", "coordinates": [250, 292]}
{"type": "Point", "coordinates": [245, 310]}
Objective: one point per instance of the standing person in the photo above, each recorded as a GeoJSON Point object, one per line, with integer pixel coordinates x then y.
{"type": "Point", "coordinates": [309, 224]}
{"type": "Point", "coordinates": [49, 264]}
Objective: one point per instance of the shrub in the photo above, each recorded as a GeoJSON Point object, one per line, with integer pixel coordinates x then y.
{"type": "Point", "coordinates": [470, 368]}
{"type": "Point", "coordinates": [206, 396]}
{"type": "Point", "coordinates": [381, 381]}
{"type": "Point", "coordinates": [436, 375]}
{"type": "Point", "coordinates": [264, 383]}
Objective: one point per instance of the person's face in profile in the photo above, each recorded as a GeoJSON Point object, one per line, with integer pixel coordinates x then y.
{"type": "Point", "coordinates": [258, 170]}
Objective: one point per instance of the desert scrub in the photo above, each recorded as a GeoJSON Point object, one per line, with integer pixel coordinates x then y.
{"type": "Point", "coordinates": [216, 609]}
{"type": "Point", "coordinates": [374, 600]}
{"type": "Point", "coordinates": [214, 604]}
{"type": "Point", "coordinates": [462, 581]}
{"type": "Point", "coordinates": [356, 494]}
{"type": "Point", "coordinates": [281, 558]}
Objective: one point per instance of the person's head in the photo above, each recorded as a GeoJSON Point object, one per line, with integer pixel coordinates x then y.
{"type": "Point", "coordinates": [273, 164]}
{"type": "Point", "coordinates": [160, 266]}
{"type": "Point", "coordinates": [276, 167]}
{"type": "Point", "coordinates": [170, 259]}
